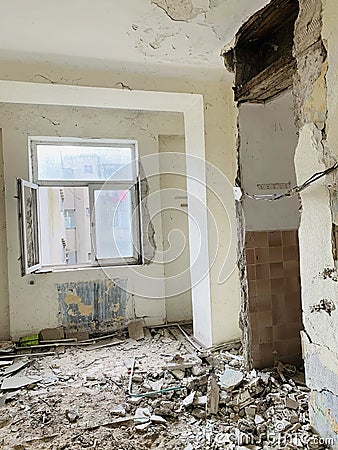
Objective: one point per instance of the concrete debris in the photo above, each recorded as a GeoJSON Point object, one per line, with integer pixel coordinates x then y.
{"type": "Point", "coordinates": [14, 368]}
{"type": "Point", "coordinates": [157, 419]}
{"type": "Point", "coordinates": [190, 399]}
{"type": "Point", "coordinates": [180, 362]}
{"type": "Point", "coordinates": [17, 382]}
{"type": "Point", "coordinates": [179, 374]}
{"type": "Point", "coordinates": [6, 347]}
{"type": "Point", "coordinates": [231, 378]}
{"type": "Point", "coordinates": [79, 335]}
{"type": "Point", "coordinates": [52, 334]}
{"type": "Point", "coordinates": [71, 415]}
{"type": "Point", "coordinates": [118, 411]}
{"type": "Point", "coordinates": [79, 399]}
{"type": "Point", "coordinates": [201, 401]}
{"type": "Point", "coordinates": [212, 396]}
{"type": "Point", "coordinates": [142, 426]}
{"type": "Point", "coordinates": [142, 415]}
{"type": "Point", "coordinates": [291, 403]}
{"type": "Point", "coordinates": [137, 378]}
{"type": "Point", "coordinates": [153, 385]}
{"type": "Point", "coordinates": [135, 330]}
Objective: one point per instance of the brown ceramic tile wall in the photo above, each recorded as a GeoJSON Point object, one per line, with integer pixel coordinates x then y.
{"type": "Point", "coordinates": [274, 296]}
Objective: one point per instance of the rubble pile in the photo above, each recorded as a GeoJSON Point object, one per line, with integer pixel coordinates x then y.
{"type": "Point", "coordinates": [155, 392]}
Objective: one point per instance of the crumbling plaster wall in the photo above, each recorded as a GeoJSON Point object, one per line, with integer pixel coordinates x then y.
{"type": "Point", "coordinates": [220, 134]}
{"type": "Point", "coordinates": [316, 85]}
{"type": "Point", "coordinates": [4, 298]}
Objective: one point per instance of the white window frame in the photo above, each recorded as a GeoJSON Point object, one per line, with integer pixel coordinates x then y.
{"type": "Point", "coordinates": [131, 184]}
{"type": "Point", "coordinates": [26, 268]}
{"type": "Point", "coordinates": [136, 230]}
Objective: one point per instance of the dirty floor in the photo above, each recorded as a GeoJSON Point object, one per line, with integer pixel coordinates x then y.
{"type": "Point", "coordinates": [206, 401]}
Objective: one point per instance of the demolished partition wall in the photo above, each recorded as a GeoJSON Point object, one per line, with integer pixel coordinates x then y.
{"type": "Point", "coordinates": [267, 145]}
{"type": "Point", "coordinates": [315, 111]}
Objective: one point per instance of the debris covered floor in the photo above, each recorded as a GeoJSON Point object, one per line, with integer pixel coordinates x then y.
{"type": "Point", "coordinates": [79, 397]}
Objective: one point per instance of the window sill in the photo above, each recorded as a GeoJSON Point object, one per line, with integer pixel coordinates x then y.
{"type": "Point", "coordinates": [83, 268]}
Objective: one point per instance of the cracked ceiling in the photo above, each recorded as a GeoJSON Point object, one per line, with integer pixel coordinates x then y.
{"type": "Point", "coordinates": [153, 36]}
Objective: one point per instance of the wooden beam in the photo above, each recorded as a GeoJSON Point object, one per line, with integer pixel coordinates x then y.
{"type": "Point", "coordinates": [269, 83]}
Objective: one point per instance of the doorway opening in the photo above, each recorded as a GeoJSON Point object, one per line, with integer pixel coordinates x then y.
{"type": "Point", "coordinates": [264, 66]}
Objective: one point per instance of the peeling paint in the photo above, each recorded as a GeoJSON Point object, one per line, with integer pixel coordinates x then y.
{"type": "Point", "coordinates": [182, 10]}
{"type": "Point", "coordinates": [334, 422]}
{"type": "Point", "coordinates": [315, 107]}
{"type": "Point", "coordinates": [93, 305]}
{"type": "Point", "coordinates": [84, 310]}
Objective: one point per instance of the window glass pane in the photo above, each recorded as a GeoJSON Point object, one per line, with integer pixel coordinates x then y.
{"type": "Point", "coordinates": [70, 218]}
{"type": "Point", "coordinates": [65, 225]}
{"type": "Point", "coordinates": [84, 163]}
{"type": "Point", "coordinates": [113, 224]}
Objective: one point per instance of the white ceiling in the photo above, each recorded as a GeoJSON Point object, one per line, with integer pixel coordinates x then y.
{"type": "Point", "coordinates": [163, 36]}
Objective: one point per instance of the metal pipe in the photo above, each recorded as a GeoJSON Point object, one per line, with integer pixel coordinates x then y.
{"type": "Point", "coordinates": [147, 394]}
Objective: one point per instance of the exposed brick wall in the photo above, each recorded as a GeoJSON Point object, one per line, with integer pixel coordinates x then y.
{"type": "Point", "coordinates": [274, 296]}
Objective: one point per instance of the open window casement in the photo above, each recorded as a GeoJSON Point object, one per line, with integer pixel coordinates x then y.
{"type": "Point", "coordinates": [29, 226]}
{"type": "Point", "coordinates": [115, 224]}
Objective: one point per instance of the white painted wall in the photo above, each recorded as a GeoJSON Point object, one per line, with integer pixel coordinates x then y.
{"type": "Point", "coordinates": [175, 234]}
{"type": "Point", "coordinates": [268, 143]}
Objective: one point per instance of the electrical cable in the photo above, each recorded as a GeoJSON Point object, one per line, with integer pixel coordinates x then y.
{"type": "Point", "coordinates": [295, 190]}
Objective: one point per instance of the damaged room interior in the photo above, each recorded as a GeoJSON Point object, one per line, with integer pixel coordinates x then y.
{"type": "Point", "coordinates": [169, 225]}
